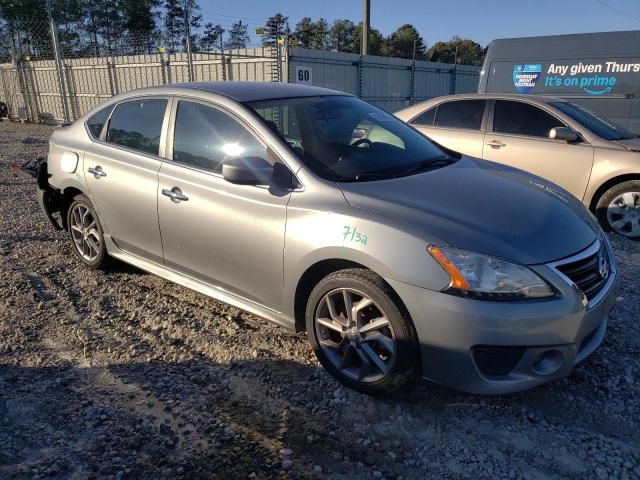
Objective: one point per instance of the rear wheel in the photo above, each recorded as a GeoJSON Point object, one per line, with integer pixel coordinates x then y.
{"type": "Point", "coordinates": [618, 210]}
{"type": "Point", "coordinates": [86, 233]}
{"type": "Point", "coordinates": [360, 332]}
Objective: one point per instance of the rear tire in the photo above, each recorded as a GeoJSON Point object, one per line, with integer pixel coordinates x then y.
{"type": "Point", "coordinates": [85, 232]}
{"type": "Point", "coordinates": [618, 209]}
{"type": "Point", "coordinates": [374, 348]}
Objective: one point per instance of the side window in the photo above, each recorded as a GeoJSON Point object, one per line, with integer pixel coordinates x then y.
{"type": "Point", "coordinates": [137, 124]}
{"type": "Point", "coordinates": [425, 118]}
{"type": "Point", "coordinates": [523, 119]}
{"type": "Point", "coordinates": [204, 137]}
{"type": "Point", "coordinates": [465, 114]}
{"type": "Point", "coordinates": [97, 121]}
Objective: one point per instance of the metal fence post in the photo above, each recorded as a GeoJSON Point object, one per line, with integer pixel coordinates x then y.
{"type": "Point", "coordinates": [75, 110]}
{"type": "Point", "coordinates": [454, 75]}
{"type": "Point", "coordinates": [59, 69]}
{"type": "Point", "coordinates": [113, 81]}
{"type": "Point", "coordinates": [360, 76]}
{"type": "Point", "coordinates": [412, 95]}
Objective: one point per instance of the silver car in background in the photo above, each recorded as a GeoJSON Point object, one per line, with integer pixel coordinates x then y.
{"type": "Point", "coordinates": [595, 160]}
{"type": "Point", "coordinates": [318, 211]}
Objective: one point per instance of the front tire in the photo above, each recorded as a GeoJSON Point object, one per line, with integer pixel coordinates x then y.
{"type": "Point", "coordinates": [85, 232]}
{"type": "Point", "coordinates": [360, 332]}
{"type": "Point", "coordinates": [618, 209]}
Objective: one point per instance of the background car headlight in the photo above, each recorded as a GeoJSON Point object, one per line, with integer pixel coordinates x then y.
{"type": "Point", "coordinates": [481, 276]}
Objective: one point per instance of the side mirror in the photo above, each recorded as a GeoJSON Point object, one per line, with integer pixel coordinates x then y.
{"type": "Point", "coordinates": [563, 133]}
{"type": "Point", "coordinates": [247, 171]}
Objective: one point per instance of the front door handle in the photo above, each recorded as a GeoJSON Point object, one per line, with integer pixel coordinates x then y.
{"type": "Point", "coordinates": [496, 144]}
{"type": "Point", "coordinates": [97, 171]}
{"type": "Point", "coordinates": [175, 194]}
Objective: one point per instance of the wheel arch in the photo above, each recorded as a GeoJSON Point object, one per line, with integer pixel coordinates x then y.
{"type": "Point", "coordinates": [602, 189]}
{"type": "Point", "coordinates": [316, 272]}
{"type": "Point", "coordinates": [68, 194]}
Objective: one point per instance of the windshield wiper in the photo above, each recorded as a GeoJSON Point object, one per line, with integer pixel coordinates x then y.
{"type": "Point", "coordinates": [431, 164]}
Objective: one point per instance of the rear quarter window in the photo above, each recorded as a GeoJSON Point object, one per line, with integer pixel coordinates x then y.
{"type": "Point", "coordinates": [96, 122]}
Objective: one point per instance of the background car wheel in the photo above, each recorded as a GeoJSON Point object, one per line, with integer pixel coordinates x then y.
{"type": "Point", "coordinates": [618, 209]}
{"type": "Point", "coordinates": [86, 233]}
{"type": "Point", "coordinates": [360, 332]}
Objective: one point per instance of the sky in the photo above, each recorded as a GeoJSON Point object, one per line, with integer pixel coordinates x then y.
{"type": "Point", "coordinates": [479, 20]}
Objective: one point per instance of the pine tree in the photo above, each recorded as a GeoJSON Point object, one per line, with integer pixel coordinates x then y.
{"type": "Point", "coordinates": [238, 36]}
{"type": "Point", "coordinates": [212, 37]}
{"type": "Point", "coordinates": [276, 27]}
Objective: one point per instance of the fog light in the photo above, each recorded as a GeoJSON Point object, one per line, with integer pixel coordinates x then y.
{"type": "Point", "coordinates": [548, 362]}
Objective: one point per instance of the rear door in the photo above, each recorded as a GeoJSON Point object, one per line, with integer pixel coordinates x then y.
{"type": "Point", "coordinates": [228, 235]}
{"type": "Point", "coordinates": [455, 124]}
{"type": "Point", "coordinates": [519, 136]}
{"type": "Point", "coordinates": [121, 171]}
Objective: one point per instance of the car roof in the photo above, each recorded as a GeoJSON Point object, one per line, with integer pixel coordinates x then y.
{"type": "Point", "coordinates": [506, 96]}
{"type": "Point", "coordinates": [255, 91]}
{"type": "Point", "coordinates": [414, 110]}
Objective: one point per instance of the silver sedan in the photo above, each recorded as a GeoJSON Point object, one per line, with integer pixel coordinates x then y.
{"type": "Point", "coordinates": [318, 211]}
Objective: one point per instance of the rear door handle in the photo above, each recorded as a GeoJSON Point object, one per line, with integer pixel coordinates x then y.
{"type": "Point", "coordinates": [496, 144]}
{"type": "Point", "coordinates": [97, 171]}
{"type": "Point", "coordinates": [175, 194]}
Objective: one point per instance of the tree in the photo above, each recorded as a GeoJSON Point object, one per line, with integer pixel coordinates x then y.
{"type": "Point", "coordinates": [174, 22]}
{"type": "Point", "coordinates": [377, 41]}
{"type": "Point", "coordinates": [276, 27]}
{"type": "Point", "coordinates": [464, 51]}
{"type": "Point", "coordinates": [401, 42]}
{"type": "Point", "coordinates": [305, 32]}
{"type": "Point", "coordinates": [140, 24]}
{"type": "Point", "coordinates": [238, 36]}
{"type": "Point", "coordinates": [212, 37]}
{"type": "Point", "coordinates": [341, 36]}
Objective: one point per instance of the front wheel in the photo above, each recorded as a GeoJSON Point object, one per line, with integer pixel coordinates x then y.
{"type": "Point", "coordinates": [360, 332]}
{"type": "Point", "coordinates": [618, 210]}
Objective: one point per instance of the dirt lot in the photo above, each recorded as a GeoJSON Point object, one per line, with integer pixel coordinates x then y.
{"type": "Point", "coordinates": [121, 374]}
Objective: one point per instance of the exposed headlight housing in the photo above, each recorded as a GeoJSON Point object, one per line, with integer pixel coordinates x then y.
{"type": "Point", "coordinates": [481, 276]}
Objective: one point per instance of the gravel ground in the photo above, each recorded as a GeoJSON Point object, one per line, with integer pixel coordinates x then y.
{"type": "Point", "coordinates": [121, 374]}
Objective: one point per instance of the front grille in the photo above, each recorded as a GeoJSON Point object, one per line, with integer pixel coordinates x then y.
{"type": "Point", "coordinates": [495, 359]}
{"type": "Point", "coordinates": [589, 273]}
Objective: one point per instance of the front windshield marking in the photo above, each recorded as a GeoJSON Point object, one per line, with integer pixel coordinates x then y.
{"type": "Point", "coordinates": [345, 139]}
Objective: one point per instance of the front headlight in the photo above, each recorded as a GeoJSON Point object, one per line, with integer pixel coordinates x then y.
{"type": "Point", "coordinates": [481, 276]}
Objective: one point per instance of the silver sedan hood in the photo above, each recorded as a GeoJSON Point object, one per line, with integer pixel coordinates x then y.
{"type": "Point", "coordinates": [484, 207]}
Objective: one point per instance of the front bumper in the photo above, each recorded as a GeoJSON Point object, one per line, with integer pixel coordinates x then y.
{"type": "Point", "coordinates": [489, 347]}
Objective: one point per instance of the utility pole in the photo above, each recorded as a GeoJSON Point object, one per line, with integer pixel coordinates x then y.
{"type": "Point", "coordinates": [59, 68]}
{"type": "Point", "coordinates": [187, 34]}
{"type": "Point", "coordinates": [366, 17]}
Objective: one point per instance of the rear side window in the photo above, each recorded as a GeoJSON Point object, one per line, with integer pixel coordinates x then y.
{"type": "Point", "coordinates": [138, 125]}
{"type": "Point", "coordinates": [97, 121]}
{"type": "Point", "coordinates": [464, 114]}
{"type": "Point", "coordinates": [523, 119]}
{"type": "Point", "coordinates": [425, 118]}
{"type": "Point", "coordinates": [204, 137]}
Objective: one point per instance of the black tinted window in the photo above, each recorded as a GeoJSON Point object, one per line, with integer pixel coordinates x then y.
{"type": "Point", "coordinates": [523, 119]}
{"type": "Point", "coordinates": [425, 118]}
{"type": "Point", "coordinates": [205, 137]}
{"type": "Point", "coordinates": [97, 121]}
{"type": "Point", "coordinates": [461, 114]}
{"type": "Point", "coordinates": [137, 125]}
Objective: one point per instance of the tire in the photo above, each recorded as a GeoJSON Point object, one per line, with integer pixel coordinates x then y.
{"type": "Point", "coordinates": [618, 209]}
{"type": "Point", "coordinates": [348, 352]}
{"type": "Point", "coordinates": [86, 234]}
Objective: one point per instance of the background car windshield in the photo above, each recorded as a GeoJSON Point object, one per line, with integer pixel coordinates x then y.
{"type": "Point", "coordinates": [343, 138]}
{"type": "Point", "coordinates": [602, 128]}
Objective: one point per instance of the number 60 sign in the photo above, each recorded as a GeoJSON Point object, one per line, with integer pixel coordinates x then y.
{"type": "Point", "coordinates": [303, 75]}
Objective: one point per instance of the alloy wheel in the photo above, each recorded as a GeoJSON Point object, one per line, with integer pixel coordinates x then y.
{"type": "Point", "coordinates": [84, 232]}
{"type": "Point", "coordinates": [623, 214]}
{"type": "Point", "coordinates": [355, 335]}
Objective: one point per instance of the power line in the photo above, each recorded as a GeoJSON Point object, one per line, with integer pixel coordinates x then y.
{"type": "Point", "coordinates": [617, 10]}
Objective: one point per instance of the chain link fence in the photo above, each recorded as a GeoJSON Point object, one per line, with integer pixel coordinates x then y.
{"type": "Point", "coordinates": [44, 80]}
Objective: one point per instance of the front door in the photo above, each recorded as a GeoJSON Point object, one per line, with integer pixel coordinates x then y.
{"type": "Point", "coordinates": [520, 138]}
{"type": "Point", "coordinates": [121, 171]}
{"type": "Point", "coordinates": [227, 235]}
